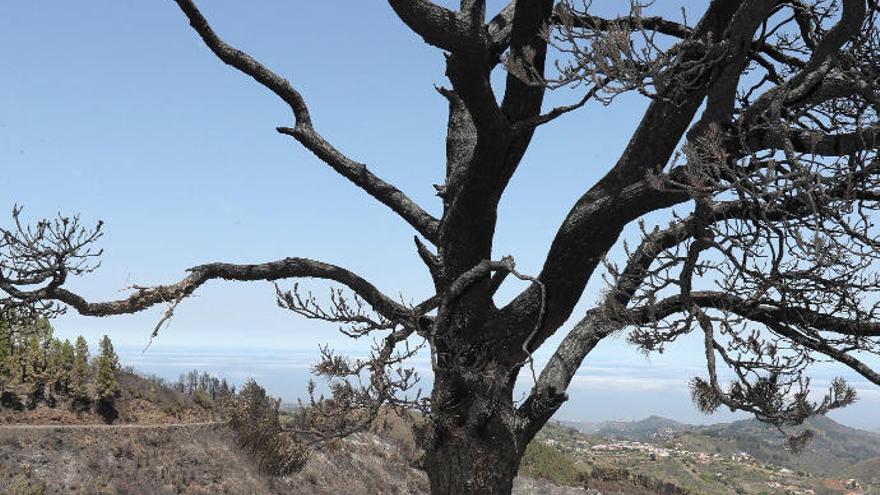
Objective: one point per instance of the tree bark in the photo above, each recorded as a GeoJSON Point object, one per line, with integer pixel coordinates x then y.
{"type": "Point", "coordinates": [475, 447]}
{"type": "Point", "coordinates": [473, 464]}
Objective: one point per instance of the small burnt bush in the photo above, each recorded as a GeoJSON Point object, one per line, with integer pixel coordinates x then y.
{"type": "Point", "coordinates": [253, 416]}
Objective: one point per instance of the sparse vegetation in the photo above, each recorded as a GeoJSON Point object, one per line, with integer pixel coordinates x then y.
{"type": "Point", "coordinates": [193, 460]}
{"type": "Point", "coordinates": [547, 462]}
{"type": "Point", "coordinates": [25, 484]}
{"type": "Point", "coordinates": [254, 417]}
{"type": "Point", "coordinates": [44, 379]}
{"type": "Point", "coordinates": [195, 383]}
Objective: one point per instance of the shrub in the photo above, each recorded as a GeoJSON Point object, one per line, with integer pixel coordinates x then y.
{"type": "Point", "coordinates": [253, 416]}
{"type": "Point", "coordinates": [26, 484]}
{"type": "Point", "coordinates": [543, 461]}
{"type": "Point", "coordinates": [203, 399]}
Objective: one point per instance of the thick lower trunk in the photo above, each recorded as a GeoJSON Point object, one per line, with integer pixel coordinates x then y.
{"type": "Point", "coordinates": [473, 449]}
{"type": "Point", "coordinates": [466, 463]}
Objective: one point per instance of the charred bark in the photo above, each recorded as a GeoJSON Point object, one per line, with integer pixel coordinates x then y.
{"type": "Point", "coordinates": [473, 446]}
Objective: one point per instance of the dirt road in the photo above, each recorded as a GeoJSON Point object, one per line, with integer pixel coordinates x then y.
{"type": "Point", "coordinates": [98, 426]}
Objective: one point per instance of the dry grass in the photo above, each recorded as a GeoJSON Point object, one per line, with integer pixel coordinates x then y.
{"type": "Point", "coordinates": [205, 460]}
{"type": "Point", "coordinates": [197, 460]}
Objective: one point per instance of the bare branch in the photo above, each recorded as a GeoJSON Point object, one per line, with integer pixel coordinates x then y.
{"type": "Point", "coordinates": [245, 63]}
{"type": "Point", "coordinates": [632, 23]}
{"type": "Point", "coordinates": [531, 123]}
{"type": "Point", "coordinates": [305, 133]}
{"type": "Point", "coordinates": [815, 142]}
{"type": "Point", "coordinates": [500, 27]}
{"type": "Point", "coordinates": [146, 297]}
{"type": "Point", "coordinates": [436, 25]}
{"type": "Point", "coordinates": [762, 311]}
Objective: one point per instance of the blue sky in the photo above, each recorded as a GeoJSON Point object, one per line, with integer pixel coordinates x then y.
{"type": "Point", "coordinates": [117, 111]}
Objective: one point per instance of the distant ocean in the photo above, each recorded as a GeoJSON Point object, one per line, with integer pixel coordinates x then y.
{"type": "Point", "coordinates": [284, 373]}
{"type": "Point", "coordinates": [602, 390]}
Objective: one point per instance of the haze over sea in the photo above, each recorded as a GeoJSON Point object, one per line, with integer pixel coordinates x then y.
{"type": "Point", "coordinates": [604, 389]}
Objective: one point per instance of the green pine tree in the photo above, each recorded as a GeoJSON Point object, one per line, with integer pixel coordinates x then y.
{"type": "Point", "coordinates": [44, 332]}
{"type": "Point", "coordinates": [33, 372]}
{"type": "Point", "coordinates": [20, 338]}
{"type": "Point", "coordinates": [79, 378]}
{"type": "Point", "coordinates": [106, 366]}
{"type": "Point", "coordinates": [66, 364]}
{"type": "Point", "coordinates": [6, 356]}
{"type": "Point", "coordinates": [54, 373]}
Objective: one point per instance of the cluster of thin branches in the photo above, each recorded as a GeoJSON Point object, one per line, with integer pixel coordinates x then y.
{"type": "Point", "coordinates": [355, 317]}
{"type": "Point", "coordinates": [777, 265]}
{"type": "Point", "coordinates": [781, 245]}
{"type": "Point", "coordinates": [628, 53]}
{"type": "Point", "coordinates": [42, 256]}
{"type": "Point", "coordinates": [359, 389]}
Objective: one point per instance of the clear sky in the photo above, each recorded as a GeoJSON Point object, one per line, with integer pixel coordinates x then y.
{"type": "Point", "coordinates": [118, 112]}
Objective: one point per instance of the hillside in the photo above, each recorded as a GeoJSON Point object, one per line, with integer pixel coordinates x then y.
{"type": "Point", "coordinates": [166, 438]}
{"type": "Point", "coordinates": [160, 445]}
{"type": "Point", "coordinates": [650, 427]}
{"type": "Point", "coordinates": [868, 470]}
{"type": "Point", "coordinates": [743, 457]}
{"type": "Point", "coordinates": [139, 456]}
{"type": "Point", "coordinates": [834, 447]}
{"type": "Point", "coordinates": [187, 437]}
{"type": "Point", "coordinates": [202, 460]}
{"type": "Point", "coordinates": [121, 460]}
{"type": "Point", "coordinates": [140, 401]}
{"type": "Point", "coordinates": [167, 441]}
{"type": "Point", "coordinates": [191, 460]}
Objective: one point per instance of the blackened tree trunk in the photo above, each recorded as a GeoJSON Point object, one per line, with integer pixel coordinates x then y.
{"type": "Point", "coordinates": [473, 446]}
{"type": "Point", "coordinates": [468, 462]}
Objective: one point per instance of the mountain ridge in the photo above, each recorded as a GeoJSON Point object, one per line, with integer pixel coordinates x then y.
{"type": "Point", "coordinates": [653, 423]}
{"type": "Point", "coordinates": [834, 449]}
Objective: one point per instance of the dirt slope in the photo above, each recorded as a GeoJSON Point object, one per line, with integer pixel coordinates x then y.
{"type": "Point", "coordinates": [127, 460]}
{"type": "Point", "coordinates": [202, 459]}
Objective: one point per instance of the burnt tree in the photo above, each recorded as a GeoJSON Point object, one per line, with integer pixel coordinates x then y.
{"type": "Point", "coordinates": [762, 124]}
